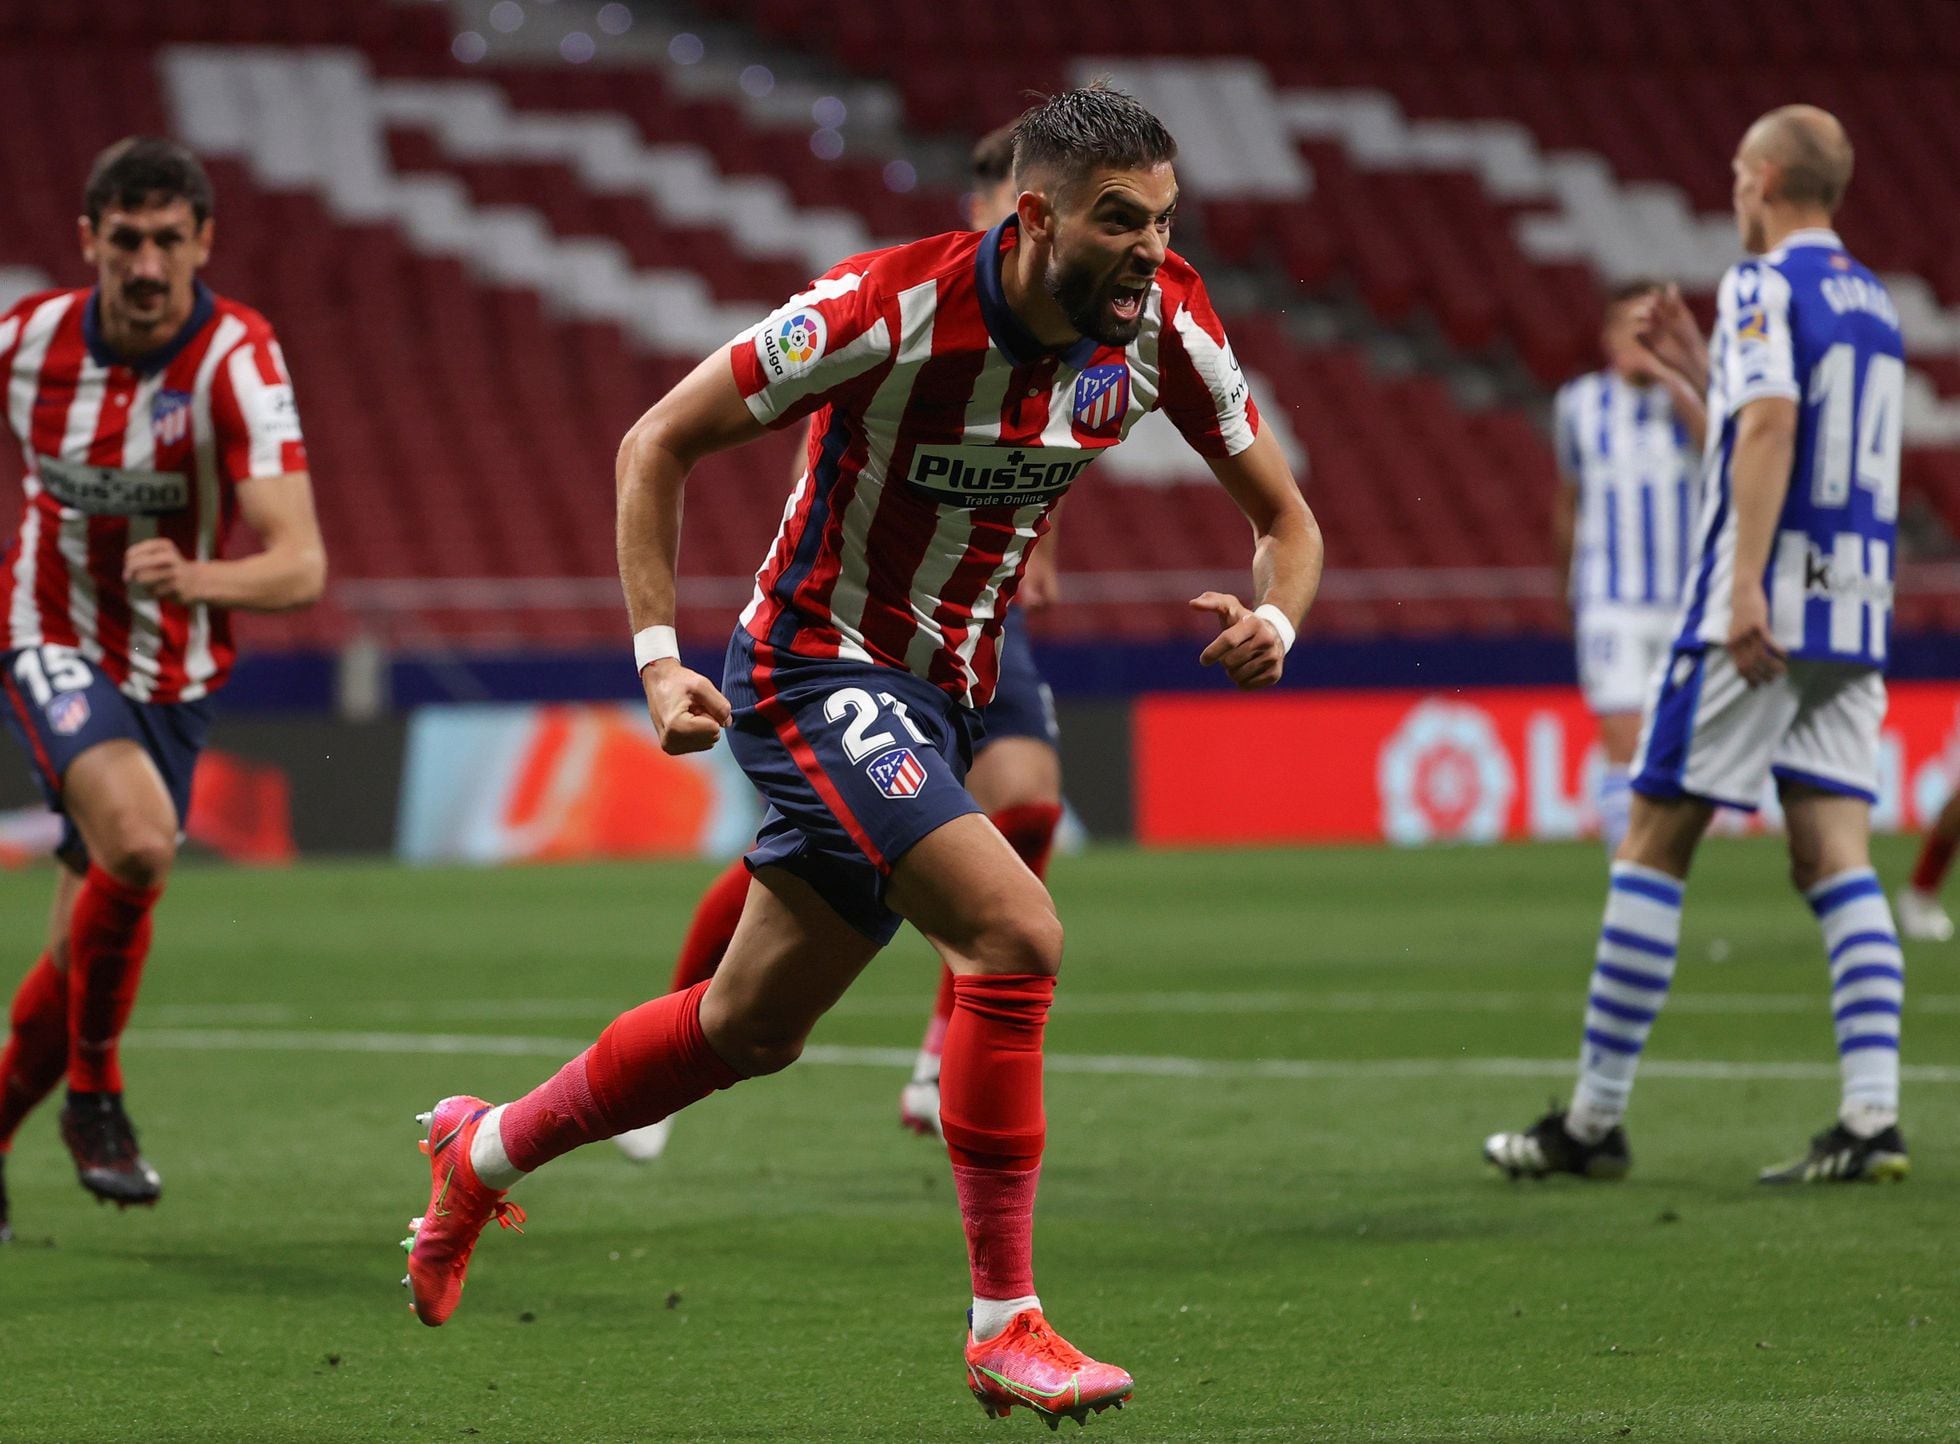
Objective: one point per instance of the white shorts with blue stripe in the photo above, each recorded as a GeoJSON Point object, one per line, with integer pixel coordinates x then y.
{"type": "Point", "coordinates": [1621, 648]}
{"type": "Point", "coordinates": [1708, 734]}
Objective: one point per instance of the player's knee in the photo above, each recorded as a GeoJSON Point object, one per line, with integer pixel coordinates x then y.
{"type": "Point", "coordinates": [139, 854]}
{"type": "Point", "coordinates": [757, 1053]}
{"type": "Point", "coordinates": [1025, 942]}
{"type": "Point", "coordinates": [751, 1039]}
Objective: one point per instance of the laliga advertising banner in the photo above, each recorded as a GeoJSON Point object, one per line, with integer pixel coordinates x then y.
{"type": "Point", "coordinates": [1463, 766]}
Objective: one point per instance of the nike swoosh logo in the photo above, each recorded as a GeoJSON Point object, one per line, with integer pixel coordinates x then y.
{"type": "Point", "coordinates": [1032, 1395]}
{"type": "Point", "coordinates": [438, 1210]}
{"type": "Point", "coordinates": [448, 1138]}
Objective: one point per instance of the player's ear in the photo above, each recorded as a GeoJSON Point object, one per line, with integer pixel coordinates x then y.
{"type": "Point", "coordinates": [206, 232]}
{"type": "Point", "coordinates": [1037, 215]}
{"type": "Point", "coordinates": [85, 238]}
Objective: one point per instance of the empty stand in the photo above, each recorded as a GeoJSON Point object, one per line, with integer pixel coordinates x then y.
{"type": "Point", "coordinates": [515, 261]}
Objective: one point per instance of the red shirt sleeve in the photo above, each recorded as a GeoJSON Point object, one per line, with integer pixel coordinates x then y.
{"type": "Point", "coordinates": [256, 417]}
{"type": "Point", "coordinates": [817, 343]}
{"type": "Point", "coordinates": [1203, 390]}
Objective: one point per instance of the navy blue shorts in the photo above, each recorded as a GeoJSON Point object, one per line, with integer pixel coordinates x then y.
{"type": "Point", "coordinates": [1022, 705]}
{"type": "Point", "coordinates": [857, 763]}
{"type": "Point", "coordinates": [59, 706]}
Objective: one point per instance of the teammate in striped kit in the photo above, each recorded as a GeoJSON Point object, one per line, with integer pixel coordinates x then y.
{"type": "Point", "coordinates": [150, 414]}
{"type": "Point", "coordinates": [960, 385]}
{"type": "Point", "coordinates": [1016, 776]}
{"type": "Point", "coordinates": [1629, 449]}
{"type": "Point", "coordinates": [1777, 667]}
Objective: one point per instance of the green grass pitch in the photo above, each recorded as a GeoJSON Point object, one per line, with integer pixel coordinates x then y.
{"type": "Point", "coordinates": [1262, 1195]}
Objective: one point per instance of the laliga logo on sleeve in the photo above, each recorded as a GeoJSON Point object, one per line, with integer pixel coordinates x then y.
{"type": "Point", "coordinates": [793, 347]}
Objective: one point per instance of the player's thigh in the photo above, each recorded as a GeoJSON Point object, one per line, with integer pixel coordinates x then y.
{"type": "Point", "coordinates": [1826, 768]}
{"type": "Point", "coordinates": [1828, 832]}
{"type": "Point", "coordinates": [118, 771]}
{"type": "Point", "coordinates": [1015, 772]}
{"type": "Point", "coordinates": [1619, 736]}
{"type": "Point", "coordinates": [120, 803]}
{"type": "Point", "coordinates": [1663, 833]}
{"type": "Point", "coordinates": [976, 902]}
{"type": "Point", "coordinates": [790, 960]}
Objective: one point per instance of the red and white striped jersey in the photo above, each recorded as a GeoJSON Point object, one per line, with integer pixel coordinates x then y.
{"type": "Point", "coordinates": [114, 453]}
{"type": "Point", "coordinates": [944, 435]}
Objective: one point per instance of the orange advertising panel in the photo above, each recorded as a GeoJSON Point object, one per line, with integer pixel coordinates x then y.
{"type": "Point", "coordinates": [1413, 768]}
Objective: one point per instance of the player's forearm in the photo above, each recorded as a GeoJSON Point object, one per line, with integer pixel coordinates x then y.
{"type": "Point", "coordinates": [1286, 562]}
{"type": "Point", "coordinates": [281, 578]}
{"type": "Point", "coordinates": [1759, 477]}
{"type": "Point", "coordinates": [651, 479]}
{"type": "Point", "coordinates": [1689, 407]}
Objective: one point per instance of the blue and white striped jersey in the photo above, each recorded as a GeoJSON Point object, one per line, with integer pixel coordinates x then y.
{"type": "Point", "coordinates": [1638, 477]}
{"type": "Point", "coordinates": [1808, 322]}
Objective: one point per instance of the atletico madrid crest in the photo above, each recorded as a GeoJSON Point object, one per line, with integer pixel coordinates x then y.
{"type": "Point", "coordinates": [170, 417]}
{"type": "Point", "coordinates": [898, 773]}
{"type": "Point", "coordinates": [1102, 395]}
{"type": "Point", "coordinates": [68, 713]}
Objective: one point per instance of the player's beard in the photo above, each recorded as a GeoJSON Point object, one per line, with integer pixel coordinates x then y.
{"type": "Point", "coordinates": [1086, 302]}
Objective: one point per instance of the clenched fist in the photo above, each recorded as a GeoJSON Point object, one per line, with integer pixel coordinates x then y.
{"type": "Point", "coordinates": [688, 710]}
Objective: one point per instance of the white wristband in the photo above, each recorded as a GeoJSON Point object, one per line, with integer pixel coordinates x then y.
{"type": "Point", "coordinates": [1280, 624]}
{"type": "Point", "coordinates": [653, 644]}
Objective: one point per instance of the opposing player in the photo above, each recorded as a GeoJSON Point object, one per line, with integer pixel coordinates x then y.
{"type": "Point", "coordinates": [1777, 670]}
{"type": "Point", "coordinates": [1017, 770]}
{"type": "Point", "coordinates": [960, 385]}
{"type": "Point", "coordinates": [150, 413]}
{"type": "Point", "coordinates": [1629, 450]}
{"type": "Point", "coordinates": [1921, 917]}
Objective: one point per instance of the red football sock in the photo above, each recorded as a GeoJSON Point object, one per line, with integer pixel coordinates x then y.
{"type": "Point", "coordinates": [649, 1063]}
{"type": "Point", "coordinates": [1935, 857]}
{"type": "Point", "coordinates": [990, 1109]}
{"type": "Point", "coordinates": [714, 922]}
{"type": "Point", "coordinates": [1029, 828]}
{"type": "Point", "coordinates": [37, 1050]}
{"type": "Point", "coordinates": [107, 943]}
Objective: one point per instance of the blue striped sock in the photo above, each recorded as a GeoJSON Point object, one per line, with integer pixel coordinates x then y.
{"type": "Point", "coordinates": [1868, 990]}
{"type": "Point", "coordinates": [1615, 805]}
{"type": "Point", "coordinates": [1631, 974]}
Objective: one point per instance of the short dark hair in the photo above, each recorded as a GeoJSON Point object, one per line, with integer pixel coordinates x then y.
{"type": "Point", "coordinates": [993, 157]}
{"type": "Point", "coordinates": [1081, 130]}
{"type": "Point", "coordinates": [143, 169]}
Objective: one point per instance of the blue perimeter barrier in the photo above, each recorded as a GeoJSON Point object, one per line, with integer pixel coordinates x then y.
{"type": "Point", "coordinates": [304, 681]}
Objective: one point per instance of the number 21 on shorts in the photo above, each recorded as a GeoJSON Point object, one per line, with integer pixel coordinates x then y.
{"type": "Point", "coordinates": [860, 741]}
